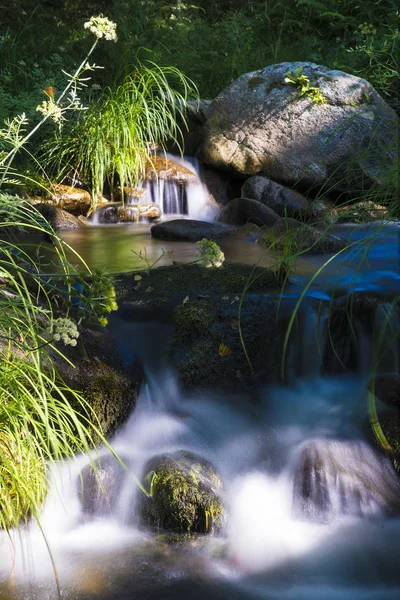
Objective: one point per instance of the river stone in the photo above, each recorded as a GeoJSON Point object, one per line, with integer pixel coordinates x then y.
{"type": "Point", "coordinates": [58, 218]}
{"type": "Point", "coordinates": [162, 167]}
{"type": "Point", "coordinates": [336, 478]}
{"type": "Point", "coordinates": [99, 486]}
{"type": "Point", "coordinates": [72, 199]}
{"type": "Point", "coordinates": [284, 201]}
{"type": "Point", "coordinates": [261, 125]}
{"type": "Point", "coordinates": [185, 494]}
{"type": "Point", "coordinates": [300, 237]}
{"type": "Point", "coordinates": [129, 213]}
{"type": "Point", "coordinates": [240, 211]}
{"type": "Point", "coordinates": [188, 230]}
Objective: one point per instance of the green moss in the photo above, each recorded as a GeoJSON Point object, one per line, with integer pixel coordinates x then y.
{"type": "Point", "coordinates": [183, 495]}
{"type": "Point", "coordinates": [255, 81]}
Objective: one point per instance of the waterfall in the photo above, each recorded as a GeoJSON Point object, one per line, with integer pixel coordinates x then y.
{"type": "Point", "coordinates": [180, 199]}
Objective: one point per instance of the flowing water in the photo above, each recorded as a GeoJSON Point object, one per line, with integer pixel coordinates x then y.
{"type": "Point", "coordinates": [312, 508]}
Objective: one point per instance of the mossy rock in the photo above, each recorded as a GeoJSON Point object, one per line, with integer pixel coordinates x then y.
{"type": "Point", "coordinates": [209, 349]}
{"type": "Point", "coordinates": [185, 494]}
{"type": "Point", "coordinates": [168, 286]}
{"type": "Point", "coordinates": [108, 385]}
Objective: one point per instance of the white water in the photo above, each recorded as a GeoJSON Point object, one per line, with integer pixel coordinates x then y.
{"type": "Point", "coordinates": [256, 439]}
{"type": "Point", "coordinates": [190, 201]}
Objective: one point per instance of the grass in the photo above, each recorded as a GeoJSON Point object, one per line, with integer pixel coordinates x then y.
{"type": "Point", "coordinates": [115, 139]}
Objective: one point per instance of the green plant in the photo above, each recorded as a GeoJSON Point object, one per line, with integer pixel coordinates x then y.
{"type": "Point", "coordinates": [303, 84]}
{"type": "Point", "coordinates": [209, 254]}
{"type": "Point", "coordinates": [116, 137]}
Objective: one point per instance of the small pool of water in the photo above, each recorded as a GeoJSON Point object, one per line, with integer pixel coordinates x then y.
{"type": "Point", "coordinates": [370, 264]}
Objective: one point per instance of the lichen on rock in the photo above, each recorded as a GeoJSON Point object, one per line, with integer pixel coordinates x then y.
{"type": "Point", "coordinates": [185, 494]}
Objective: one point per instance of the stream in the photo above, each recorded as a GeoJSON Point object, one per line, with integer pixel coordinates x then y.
{"type": "Point", "coordinates": [277, 542]}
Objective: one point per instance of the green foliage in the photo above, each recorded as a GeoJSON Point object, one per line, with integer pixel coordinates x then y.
{"type": "Point", "coordinates": [117, 136]}
{"type": "Point", "coordinates": [94, 297]}
{"type": "Point", "coordinates": [37, 421]}
{"type": "Point", "coordinates": [303, 84]}
{"type": "Point", "coordinates": [209, 254]}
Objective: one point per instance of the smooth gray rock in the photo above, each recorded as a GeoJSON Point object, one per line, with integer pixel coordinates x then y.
{"type": "Point", "coordinates": [284, 201]}
{"type": "Point", "coordinates": [188, 230]}
{"type": "Point", "coordinates": [245, 210]}
{"type": "Point", "coordinates": [261, 124]}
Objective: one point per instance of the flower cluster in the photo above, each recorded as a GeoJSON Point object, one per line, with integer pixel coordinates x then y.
{"type": "Point", "coordinates": [102, 27]}
{"type": "Point", "coordinates": [63, 330]}
{"type": "Point", "coordinates": [366, 29]}
{"type": "Point", "coordinates": [210, 254]}
{"type": "Point", "coordinates": [49, 108]}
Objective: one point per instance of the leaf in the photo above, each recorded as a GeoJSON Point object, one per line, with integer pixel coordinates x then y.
{"type": "Point", "coordinates": [137, 277]}
{"type": "Point", "coordinates": [234, 324]}
{"type": "Point", "coordinates": [149, 289]}
{"type": "Point", "coordinates": [185, 300]}
{"type": "Point", "coordinates": [224, 350]}
{"type": "Point", "coordinates": [225, 297]}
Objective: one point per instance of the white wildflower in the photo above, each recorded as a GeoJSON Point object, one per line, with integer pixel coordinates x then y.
{"type": "Point", "coordinates": [102, 27]}
{"type": "Point", "coordinates": [49, 108]}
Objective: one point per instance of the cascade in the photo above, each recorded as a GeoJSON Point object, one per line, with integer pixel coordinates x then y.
{"type": "Point", "coordinates": [177, 197]}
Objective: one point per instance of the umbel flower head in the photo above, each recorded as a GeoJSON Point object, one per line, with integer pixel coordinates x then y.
{"type": "Point", "coordinates": [102, 27]}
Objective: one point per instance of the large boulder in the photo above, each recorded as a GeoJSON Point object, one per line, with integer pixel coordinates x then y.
{"type": "Point", "coordinates": [262, 124]}
{"type": "Point", "coordinates": [284, 201]}
{"type": "Point", "coordinates": [185, 494]}
{"type": "Point", "coordinates": [240, 211]}
{"type": "Point", "coordinates": [188, 230]}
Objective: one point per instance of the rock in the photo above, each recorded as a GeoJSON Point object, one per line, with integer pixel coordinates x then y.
{"type": "Point", "coordinates": [359, 212]}
{"type": "Point", "coordinates": [73, 200]}
{"type": "Point", "coordinates": [192, 128]}
{"type": "Point", "coordinates": [387, 389]}
{"type": "Point", "coordinates": [161, 167]}
{"type": "Point", "coordinates": [58, 218]}
{"type": "Point", "coordinates": [261, 124]}
{"type": "Point", "coordinates": [198, 111]}
{"type": "Point", "coordinates": [284, 201]}
{"type": "Point", "coordinates": [171, 284]}
{"type": "Point", "coordinates": [300, 237]}
{"type": "Point", "coordinates": [336, 478]}
{"type": "Point", "coordinates": [99, 486]}
{"type": "Point", "coordinates": [185, 494]}
{"type": "Point", "coordinates": [217, 184]}
{"type": "Point", "coordinates": [128, 213]}
{"type": "Point", "coordinates": [245, 210]}
{"type": "Point", "coordinates": [188, 230]}
{"type": "Point", "coordinates": [208, 349]}
{"type": "Point", "coordinates": [98, 370]}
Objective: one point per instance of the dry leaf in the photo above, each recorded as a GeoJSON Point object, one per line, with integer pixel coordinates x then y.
{"type": "Point", "coordinates": [149, 289]}
{"type": "Point", "coordinates": [225, 297]}
{"type": "Point", "coordinates": [224, 350]}
{"type": "Point", "coordinates": [185, 300]}
{"type": "Point", "coordinates": [234, 324]}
